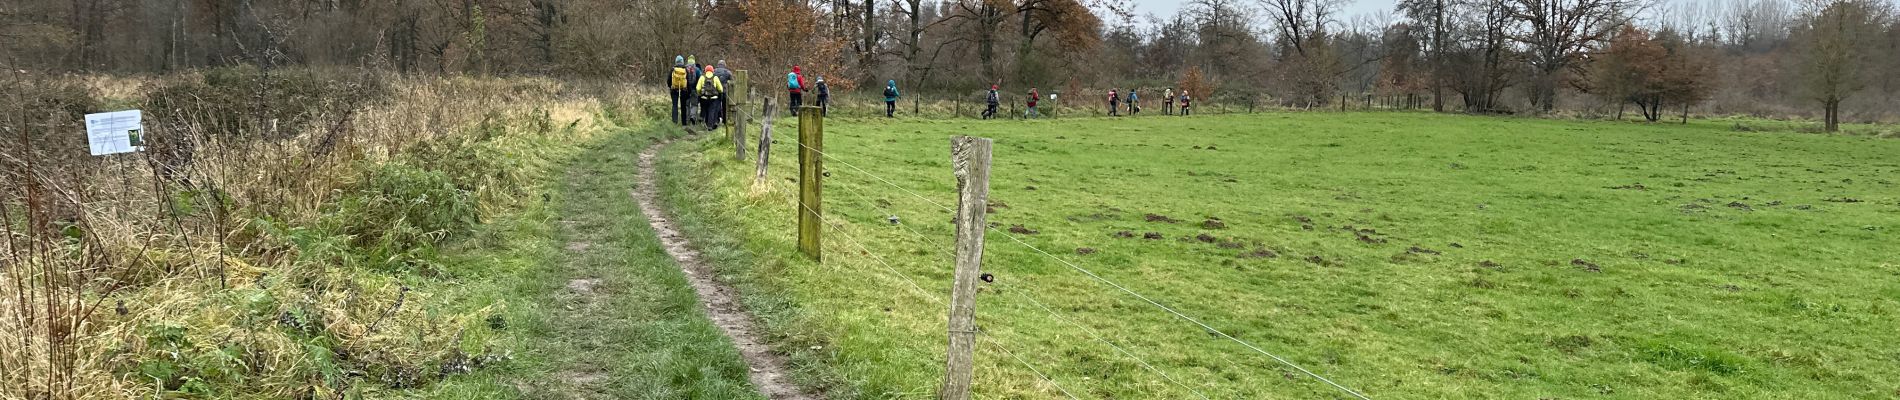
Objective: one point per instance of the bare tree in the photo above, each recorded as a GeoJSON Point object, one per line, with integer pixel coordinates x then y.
{"type": "Point", "coordinates": [1838, 38]}
{"type": "Point", "coordinates": [1557, 33]}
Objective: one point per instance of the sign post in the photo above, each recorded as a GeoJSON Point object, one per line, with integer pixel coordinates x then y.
{"type": "Point", "coordinates": [115, 132]}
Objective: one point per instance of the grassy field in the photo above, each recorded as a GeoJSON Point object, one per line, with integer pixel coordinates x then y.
{"type": "Point", "coordinates": [1403, 255]}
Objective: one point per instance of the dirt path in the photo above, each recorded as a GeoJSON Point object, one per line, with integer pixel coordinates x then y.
{"type": "Point", "coordinates": [769, 372]}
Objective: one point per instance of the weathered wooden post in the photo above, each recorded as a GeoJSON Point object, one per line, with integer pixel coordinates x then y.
{"type": "Point", "coordinates": [811, 174]}
{"type": "Point", "coordinates": [739, 96]}
{"type": "Point", "coordinates": [970, 159]}
{"type": "Point", "coordinates": [765, 141]}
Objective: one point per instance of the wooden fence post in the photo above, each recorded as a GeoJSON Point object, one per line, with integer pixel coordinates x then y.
{"type": "Point", "coordinates": [811, 174]}
{"type": "Point", "coordinates": [736, 124]}
{"type": "Point", "coordinates": [765, 141]}
{"type": "Point", "coordinates": [970, 158]}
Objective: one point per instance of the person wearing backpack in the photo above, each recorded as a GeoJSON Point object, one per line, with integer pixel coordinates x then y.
{"type": "Point", "coordinates": [890, 98]}
{"type": "Point", "coordinates": [711, 91]}
{"type": "Point", "coordinates": [1030, 112]}
{"type": "Point", "coordinates": [1134, 103]}
{"type": "Point", "coordinates": [1187, 103]}
{"type": "Point", "coordinates": [678, 84]}
{"type": "Point", "coordinates": [993, 101]}
{"type": "Point", "coordinates": [692, 82]}
{"type": "Point", "coordinates": [795, 84]}
{"type": "Point", "coordinates": [1114, 103]}
{"type": "Point", "coordinates": [1167, 102]}
{"type": "Point", "coordinates": [725, 80]}
{"type": "Point", "coordinates": [824, 97]}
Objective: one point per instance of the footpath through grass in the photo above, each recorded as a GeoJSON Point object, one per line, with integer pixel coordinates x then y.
{"type": "Point", "coordinates": [591, 304]}
{"type": "Point", "coordinates": [1404, 255]}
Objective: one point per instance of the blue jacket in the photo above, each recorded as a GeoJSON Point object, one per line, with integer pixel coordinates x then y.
{"type": "Point", "coordinates": [890, 91]}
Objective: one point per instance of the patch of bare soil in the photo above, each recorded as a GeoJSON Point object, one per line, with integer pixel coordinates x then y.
{"type": "Point", "coordinates": [769, 372]}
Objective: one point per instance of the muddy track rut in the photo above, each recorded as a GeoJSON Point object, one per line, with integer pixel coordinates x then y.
{"type": "Point", "coordinates": [769, 372]}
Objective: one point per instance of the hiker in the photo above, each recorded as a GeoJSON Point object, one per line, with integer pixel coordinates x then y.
{"type": "Point", "coordinates": [824, 97]}
{"type": "Point", "coordinates": [1167, 102]}
{"type": "Point", "coordinates": [993, 100]}
{"type": "Point", "coordinates": [711, 91]}
{"type": "Point", "coordinates": [1186, 102]}
{"type": "Point", "coordinates": [890, 98]}
{"type": "Point", "coordinates": [692, 79]}
{"type": "Point", "coordinates": [795, 84]}
{"type": "Point", "coordinates": [1114, 103]}
{"type": "Point", "coordinates": [679, 90]}
{"type": "Point", "coordinates": [1134, 103]}
{"type": "Point", "coordinates": [1030, 112]}
{"type": "Point", "coordinates": [725, 81]}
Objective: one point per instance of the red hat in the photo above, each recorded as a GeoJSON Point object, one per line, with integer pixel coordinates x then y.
{"type": "Point", "coordinates": [795, 68]}
{"type": "Point", "coordinates": [709, 68]}
{"type": "Point", "coordinates": [992, 87]}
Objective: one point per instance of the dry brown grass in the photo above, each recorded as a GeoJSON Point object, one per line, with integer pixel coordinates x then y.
{"type": "Point", "coordinates": [192, 270]}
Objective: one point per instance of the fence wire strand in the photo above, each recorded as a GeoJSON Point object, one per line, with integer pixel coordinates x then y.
{"type": "Point", "coordinates": [939, 301]}
{"type": "Point", "coordinates": [1099, 278]}
{"type": "Point", "coordinates": [1092, 333]}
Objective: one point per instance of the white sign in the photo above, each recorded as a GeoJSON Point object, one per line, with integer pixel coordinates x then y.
{"type": "Point", "coordinates": [115, 132]}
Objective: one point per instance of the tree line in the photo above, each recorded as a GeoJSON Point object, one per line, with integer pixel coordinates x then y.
{"type": "Point", "coordinates": [1830, 59]}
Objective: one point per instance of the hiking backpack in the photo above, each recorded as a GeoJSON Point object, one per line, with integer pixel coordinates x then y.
{"type": "Point", "coordinates": [791, 81]}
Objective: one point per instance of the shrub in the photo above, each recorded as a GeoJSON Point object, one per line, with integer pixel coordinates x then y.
{"type": "Point", "coordinates": [400, 212]}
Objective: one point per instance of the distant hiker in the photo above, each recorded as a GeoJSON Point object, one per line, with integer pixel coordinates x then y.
{"type": "Point", "coordinates": [679, 90]}
{"type": "Point", "coordinates": [1030, 112]}
{"type": "Point", "coordinates": [693, 70]}
{"type": "Point", "coordinates": [890, 98]}
{"type": "Point", "coordinates": [1167, 102]}
{"type": "Point", "coordinates": [1134, 103]}
{"type": "Point", "coordinates": [1187, 102]}
{"type": "Point", "coordinates": [993, 101]}
{"type": "Point", "coordinates": [724, 74]}
{"type": "Point", "coordinates": [711, 91]}
{"type": "Point", "coordinates": [824, 97]}
{"type": "Point", "coordinates": [725, 80]}
{"type": "Point", "coordinates": [795, 84]}
{"type": "Point", "coordinates": [1114, 103]}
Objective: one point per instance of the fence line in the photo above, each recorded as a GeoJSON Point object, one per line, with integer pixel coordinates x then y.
{"type": "Point", "coordinates": [1118, 286]}
{"type": "Point", "coordinates": [1092, 333]}
{"type": "Point", "coordinates": [941, 302]}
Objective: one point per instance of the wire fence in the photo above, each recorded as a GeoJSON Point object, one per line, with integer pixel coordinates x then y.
{"type": "Point", "coordinates": [1023, 292]}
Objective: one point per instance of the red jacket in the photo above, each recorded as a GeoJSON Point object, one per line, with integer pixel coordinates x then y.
{"type": "Point", "coordinates": [801, 80]}
{"type": "Point", "coordinates": [1033, 96]}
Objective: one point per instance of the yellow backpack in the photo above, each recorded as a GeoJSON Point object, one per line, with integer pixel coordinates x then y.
{"type": "Point", "coordinates": [679, 78]}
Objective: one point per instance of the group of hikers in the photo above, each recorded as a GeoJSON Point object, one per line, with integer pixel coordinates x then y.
{"type": "Point", "coordinates": [1168, 99]}
{"type": "Point", "coordinates": [995, 100]}
{"type": "Point", "coordinates": [706, 83]}
{"type": "Point", "coordinates": [700, 93]}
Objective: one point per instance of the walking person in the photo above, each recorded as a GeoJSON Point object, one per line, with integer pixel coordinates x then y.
{"type": "Point", "coordinates": [1134, 103]}
{"type": "Point", "coordinates": [795, 83]}
{"type": "Point", "coordinates": [1114, 103]}
{"type": "Point", "coordinates": [693, 72]}
{"type": "Point", "coordinates": [711, 91]}
{"type": "Point", "coordinates": [993, 101]}
{"type": "Point", "coordinates": [824, 97]}
{"type": "Point", "coordinates": [1187, 103]}
{"type": "Point", "coordinates": [1167, 102]}
{"type": "Point", "coordinates": [1030, 112]}
{"type": "Point", "coordinates": [678, 84]}
{"type": "Point", "coordinates": [725, 81]}
{"type": "Point", "coordinates": [890, 98]}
